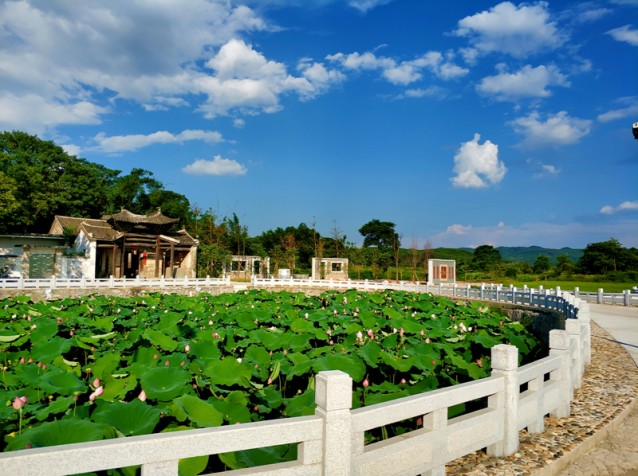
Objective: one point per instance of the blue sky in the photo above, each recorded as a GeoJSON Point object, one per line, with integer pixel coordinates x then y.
{"type": "Point", "coordinates": [464, 123]}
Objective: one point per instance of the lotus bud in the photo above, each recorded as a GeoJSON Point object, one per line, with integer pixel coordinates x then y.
{"type": "Point", "coordinates": [96, 382]}
{"type": "Point", "coordinates": [187, 348]}
{"type": "Point", "coordinates": [365, 383]}
{"type": "Point", "coordinates": [403, 381]}
{"type": "Point", "coordinates": [155, 356]}
{"type": "Point", "coordinates": [99, 391]}
{"type": "Point", "coordinates": [142, 396]}
{"type": "Point", "coordinates": [19, 402]}
{"type": "Point", "coordinates": [167, 364]}
{"type": "Point", "coordinates": [22, 361]}
{"type": "Point", "coordinates": [427, 340]}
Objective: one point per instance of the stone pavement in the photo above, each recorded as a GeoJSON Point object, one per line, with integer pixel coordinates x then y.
{"type": "Point", "coordinates": [617, 453]}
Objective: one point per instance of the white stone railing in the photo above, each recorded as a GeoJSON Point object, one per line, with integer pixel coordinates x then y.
{"type": "Point", "coordinates": [105, 283]}
{"type": "Point", "coordinates": [332, 441]}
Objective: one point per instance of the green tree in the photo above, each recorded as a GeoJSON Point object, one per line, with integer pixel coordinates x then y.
{"type": "Point", "coordinates": [133, 192]}
{"type": "Point", "coordinates": [607, 256]}
{"type": "Point", "coordinates": [46, 181]}
{"type": "Point", "coordinates": [564, 266]}
{"type": "Point", "coordinates": [541, 265]}
{"type": "Point", "coordinates": [382, 240]}
{"type": "Point", "coordinates": [486, 258]}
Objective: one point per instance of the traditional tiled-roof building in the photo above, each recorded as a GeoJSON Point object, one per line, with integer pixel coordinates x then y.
{"type": "Point", "coordinates": [126, 244]}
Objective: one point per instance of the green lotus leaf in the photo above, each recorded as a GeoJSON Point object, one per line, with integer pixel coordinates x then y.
{"type": "Point", "coordinates": [199, 412]}
{"type": "Point", "coordinates": [106, 364]}
{"type": "Point", "coordinates": [61, 382]}
{"type": "Point", "coordinates": [117, 388]}
{"type": "Point", "coordinates": [61, 432]}
{"type": "Point", "coordinates": [44, 330]}
{"type": "Point", "coordinates": [228, 371]}
{"type": "Point", "coordinates": [205, 350]}
{"type": "Point", "coordinates": [234, 407]}
{"type": "Point", "coordinates": [351, 364]}
{"type": "Point", "coordinates": [301, 405]}
{"type": "Point", "coordinates": [46, 351]}
{"type": "Point", "coordinates": [245, 320]}
{"type": "Point", "coordinates": [369, 352]}
{"type": "Point", "coordinates": [302, 326]}
{"type": "Point", "coordinates": [8, 336]}
{"type": "Point", "coordinates": [397, 363]}
{"type": "Point", "coordinates": [160, 340]}
{"type": "Point", "coordinates": [58, 405]}
{"type": "Point", "coordinates": [130, 419]}
{"type": "Point", "coordinates": [168, 321]}
{"type": "Point", "coordinates": [164, 383]}
{"type": "Point", "coordinates": [259, 456]}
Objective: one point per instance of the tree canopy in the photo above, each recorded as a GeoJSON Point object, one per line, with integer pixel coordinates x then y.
{"type": "Point", "coordinates": [39, 180]}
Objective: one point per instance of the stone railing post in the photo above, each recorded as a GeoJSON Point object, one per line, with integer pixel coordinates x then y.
{"type": "Point", "coordinates": [626, 297]}
{"type": "Point", "coordinates": [559, 346]}
{"type": "Point", "coordinates": [572, 326]}
{"type": "Point", "coordinates": [505, 364]}
{"type": "Point", "coordinates": [599, 296]}
{"type": "Point", "coordinates": [333, 396]}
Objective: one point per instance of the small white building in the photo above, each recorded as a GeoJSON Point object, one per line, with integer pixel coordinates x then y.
{"type": "Point", "coordinates": [441, 271]}
{"type": "Point", "coordinates": [330, 268]}
{"type": "Point", "coordinates": [245, 267]}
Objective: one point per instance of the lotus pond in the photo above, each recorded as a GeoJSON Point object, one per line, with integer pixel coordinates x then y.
{"type": "Point", "coordinates": [104, 367]}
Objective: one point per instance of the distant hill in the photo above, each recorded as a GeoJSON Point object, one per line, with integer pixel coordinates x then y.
{"type": "Point", "coordinates": [528, 254]}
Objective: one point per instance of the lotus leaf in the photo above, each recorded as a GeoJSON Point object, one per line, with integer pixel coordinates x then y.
{"type": "Point", "coordinates": [130, 419]}
{"type": "Point", "coordinates": [164, 383]}
{"type": "Point", "coordinates": [160, 340]}
{"type": "Point", "coordinates": [228, 371]}
{"type": "Point", "coordinates": [60, 382]}
{"type": "Point", "coordinates": [199, 412]}
{"type": "Point", "coordinates": [61, 432]}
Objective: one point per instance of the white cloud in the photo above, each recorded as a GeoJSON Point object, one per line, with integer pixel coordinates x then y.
{"type": "Point", "coordinates": [626, 33]}
{"type": "Point", "coordinates": [542, 170]}
{"type": "Point", "coordinates": [239, 123]}
{"type": "Point", "coordinates": [477, 165]}
{"type": "Point", "coordinates": [137, 141]}
{"type": "Point", "coordinates": [558, 129]}
{"type": "Point", "coordinates": [36, 114]}
{"type": "Point", "coordinates": [631, 110]}
{"type": "Point", "coordinates": [458, 229]}
{"type": "Point", "coordinates": [518, 31]}
{"type": "Point", "coordinates": [217, 166]}
{"type": "Point", "coordinates": [246, 81]}
{"type": "Point", "coordinates": [431, 91]}
{"type": "Point", "coordinates": [62, 64]}
{"type": "Point", "coordinates": [402, 72]}
{"type": "Point", "coordinates": [623, 207]}
{"type": "Point", "coordinates": [526, 82]}
{"type": "Point", "coordinates": [365, 5]}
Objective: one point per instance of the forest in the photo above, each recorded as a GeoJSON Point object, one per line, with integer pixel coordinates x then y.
{"type": "Point", "coordinates": [39, 180]}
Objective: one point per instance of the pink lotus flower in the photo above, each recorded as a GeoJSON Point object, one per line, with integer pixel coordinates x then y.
{"type": "Point", "coordinates": [365, 383]}
{"type": "Point", "coordinates": [98, 391]}
{"type": "Point", "coordinates": [19, 402]}
{"type": "Point", "coordinates": [142, 396]}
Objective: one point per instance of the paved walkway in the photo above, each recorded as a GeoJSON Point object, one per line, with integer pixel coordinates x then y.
{"type": "Point", "coordinates": [616, 455]}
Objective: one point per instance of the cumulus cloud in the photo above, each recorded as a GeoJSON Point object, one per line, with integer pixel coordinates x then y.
{"type": "Point", "coordinates": [518, 31]}
{"type": "Point", "coordinates": [66, 64]}
{"type": "Point", "coordinates": [402, 72]}
{"type": "Point", "coordinates": [458, 229]}
{"type": "Point", "coordinates": [217, 166]}
{"type": "Point", "coordinates": [477, 165]}
{"type": "Point", "coordinates": [623, 207]}
{"type": "Point", "coordinates": [365, 5]}
{"type": "Point", "coordinates": [526, 82]}
{"type": "Point", "coordinates": [557, 130]}
{"type": "Point", "coordinates": [626, 33]}
{"type": "Point", "coordinates": [630, 110]}
{"type": "Point", "coordinates": [137, 141]}
{"type": "Point", "coordinates": [542, 170]}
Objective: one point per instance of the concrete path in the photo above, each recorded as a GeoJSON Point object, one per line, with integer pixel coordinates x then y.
{"type": "Point", "coordinates": [621, 322]}
{"type": "Point", "coordinates": [617, 454]}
